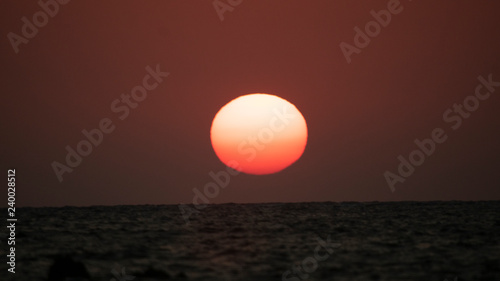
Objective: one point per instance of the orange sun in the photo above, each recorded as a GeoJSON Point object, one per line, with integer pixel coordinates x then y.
{"type": "Point", "coordinates": [259, 134]}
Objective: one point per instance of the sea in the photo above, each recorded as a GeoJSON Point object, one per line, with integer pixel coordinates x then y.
{"type": "Point", "coordinates": [441, 241]}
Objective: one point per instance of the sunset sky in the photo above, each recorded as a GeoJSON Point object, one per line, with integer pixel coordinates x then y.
{"type": "Point", "coordinates": [360, 115]}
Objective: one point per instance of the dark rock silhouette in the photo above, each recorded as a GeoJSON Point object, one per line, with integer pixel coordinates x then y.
{"type": "Point", "coordinates": [155, 273]}
{"type": "Point", "coordinates": [66, 268]}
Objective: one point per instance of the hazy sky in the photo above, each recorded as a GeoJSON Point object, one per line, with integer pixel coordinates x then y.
{"type": "Point", "coordinates": [361, 115]}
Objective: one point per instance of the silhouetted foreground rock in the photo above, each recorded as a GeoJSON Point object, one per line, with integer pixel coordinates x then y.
{"type": "Point", "coordinates": [65, 268]}
{"type": "Point", "coordinates": [154, 273]}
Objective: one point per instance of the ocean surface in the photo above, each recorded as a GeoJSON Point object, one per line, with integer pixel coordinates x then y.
{"type": "Point", "coordinates": [283, 241]}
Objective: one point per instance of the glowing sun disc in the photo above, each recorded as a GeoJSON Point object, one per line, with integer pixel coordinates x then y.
{"type": "Point", "coordinates": [262, 133]}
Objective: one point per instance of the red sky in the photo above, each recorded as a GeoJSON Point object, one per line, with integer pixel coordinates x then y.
{"type": "Point", "coordinates": [361, 115]}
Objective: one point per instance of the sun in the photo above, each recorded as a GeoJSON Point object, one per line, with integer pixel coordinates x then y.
{"type": "Point", "coordinates": [259, 134]}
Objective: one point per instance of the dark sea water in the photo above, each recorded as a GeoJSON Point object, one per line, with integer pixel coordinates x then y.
{"type": "Point", "coordinates": [312, 241]}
